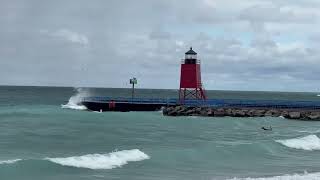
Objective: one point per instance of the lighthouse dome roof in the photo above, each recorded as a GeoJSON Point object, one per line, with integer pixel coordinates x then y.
{"type": "Point", "coordinates": [191, 52]}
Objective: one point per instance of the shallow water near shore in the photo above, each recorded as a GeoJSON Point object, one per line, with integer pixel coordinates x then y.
{"type": "Point", "coordinates": [42, 140]}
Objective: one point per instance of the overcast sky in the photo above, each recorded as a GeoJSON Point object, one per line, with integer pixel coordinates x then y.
{"type": "Point", "coordinates": [242, 44]}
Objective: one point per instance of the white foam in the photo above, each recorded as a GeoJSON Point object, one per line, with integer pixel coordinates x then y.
{"type": "Point", "coordinates": [10, 161]}
{"type": "Point", "coordinates": [74, 106]}
{"type": "Point", "coordinates": [318, 95]}
{"type": "Point", "coordinates": [310, 131]}
{"type": "Point", "coordinates": [309, 176]}
{"type": "Point", "coordinates": [309, 143]}
{"type": "Point", "coordinates": [102, 161]}
{"type": "Point", "coordinates": [75, 100]}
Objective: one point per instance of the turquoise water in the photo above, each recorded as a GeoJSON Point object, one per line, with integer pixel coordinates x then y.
{"type": "Point", "coordinates": [40, 140]}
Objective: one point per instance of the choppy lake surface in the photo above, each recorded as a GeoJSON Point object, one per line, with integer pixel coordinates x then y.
{"type": "Point", "coordinates": [41, 139]}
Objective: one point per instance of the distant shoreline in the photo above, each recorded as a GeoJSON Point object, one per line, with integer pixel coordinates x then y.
{"type": "Point", "coordinates": [213, 90]}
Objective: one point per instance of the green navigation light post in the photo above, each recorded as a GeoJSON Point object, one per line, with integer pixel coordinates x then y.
{"type": "Point", "coordinates": [133, 81]}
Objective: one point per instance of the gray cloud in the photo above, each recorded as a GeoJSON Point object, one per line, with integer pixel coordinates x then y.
{"type": "Point", "coordinates": [247, 45]}
{"type": "Point", "coordinates": [279, 14]}
{"type": "Point", "coordinates": [70, 36]}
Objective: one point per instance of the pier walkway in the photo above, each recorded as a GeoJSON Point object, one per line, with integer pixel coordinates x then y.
{"type": "Point", "coordinates": [276, 104]}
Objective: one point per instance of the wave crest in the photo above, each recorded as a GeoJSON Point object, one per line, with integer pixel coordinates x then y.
{"type": "Point", "coordinates": [309, 176]}
{"type": "Point", "coordinates": [309, 143]}
{"type": "Point", "coordinates": [10, 161]}
{"type": "Point", "coordinates": [102, 161]}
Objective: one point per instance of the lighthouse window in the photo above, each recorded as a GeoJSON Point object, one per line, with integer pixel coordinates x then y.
{"type": "Point", "coordinates": [191, 56]}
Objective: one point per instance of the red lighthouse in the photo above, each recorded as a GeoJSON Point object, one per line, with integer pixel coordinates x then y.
{"type": "Point", "coordinates": [190, 79]}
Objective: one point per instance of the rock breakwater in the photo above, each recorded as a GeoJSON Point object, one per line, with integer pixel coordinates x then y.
{"type": "Point", "coordinates": [299, 114]}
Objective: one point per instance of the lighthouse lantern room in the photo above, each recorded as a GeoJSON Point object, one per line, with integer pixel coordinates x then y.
{"type": "Point", "coordinates": [190, 79]}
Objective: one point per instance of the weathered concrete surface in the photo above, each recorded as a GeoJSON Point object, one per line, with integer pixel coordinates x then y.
{"type": "Point", "coordinates": [300, 114]}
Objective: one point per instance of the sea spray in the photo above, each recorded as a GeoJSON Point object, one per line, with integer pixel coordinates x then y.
{"type": "Point", "coordinates": [102, 161]}
{"type": "Point", "coordinates": [309, 143]}
{"type": "Point", "coordinates": [75, 100]}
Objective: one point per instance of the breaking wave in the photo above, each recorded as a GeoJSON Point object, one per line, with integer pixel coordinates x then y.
{"type": "Point", "coordinates": [75, 100]}
{"type": "Point", "coordinates": [309, 143]}
{"type": "Point", "coordinates": [309, 176]}
{"type": "Point", "coordinates": [102, 161]}
{"type": "Point", "coordinates": [10, 161]}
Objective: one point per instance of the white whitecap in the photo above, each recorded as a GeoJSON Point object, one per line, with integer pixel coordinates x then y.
{"type": "Point", "coordinates": [309, 143]}
{"type": "Point", "coordinates": [102, 161]}
{"type": "Point", "coordinates": [75, 100]}
{"type": "Point", "coordinates": [10, 161]}
{"type": "Point", "coordinates": [309, 176]}
{"type": "Point", "coordinates": [98, 111]}
{"type": "Point", "coordinates": [74, 106]}
{"type": "Point", "coordinates": [309, 131]}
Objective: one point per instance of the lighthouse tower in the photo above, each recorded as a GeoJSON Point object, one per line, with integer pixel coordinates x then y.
{"type": "Point", "coordinates": [190, 79]}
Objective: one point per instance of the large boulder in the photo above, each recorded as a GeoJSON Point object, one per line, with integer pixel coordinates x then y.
{"type": "Point", "coordinates": [284, 114]}
{"type": "Point", "coordinates": [239, 113]}
{"type": "Point", "coordinates": [174, 111]}
{"type": "Point", "coordinates": [268, 113]}
{"type": "Point", "coordinates": [219, 112]}
{"type": "Point", "coordinates": [315, 116]}
{"type": "Point", "coordinates": [166, 110]}
{"type": "Point", "coordinates": [259, 113]}
{"type": "Point", "coordinates": [276, 113]}
{"type": "Point", "coordinates": [229, 112]}
{"type": "Point", "coordinates": [250, 113]}
{"type": "Point", "coordinates": [190, 111]}
{"type": "Point", "coordinates": [294, 115]}
{"type": "Point", "coordinates": [273, 113]}
{"type": "Point", "coordinates": [198, 110]}
{"type": "Point", "coordinates": [181, 110]}
{"type": "Point", "coordinates": [210, 112]}
{"type": "Point", "coordinates": [204, 112]}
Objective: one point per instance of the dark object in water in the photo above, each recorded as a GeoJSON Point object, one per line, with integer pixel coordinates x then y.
{"type": "Point", "coordinates": [267, 129]}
